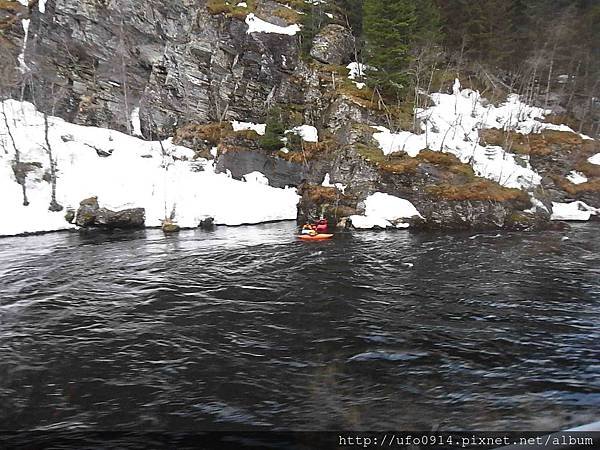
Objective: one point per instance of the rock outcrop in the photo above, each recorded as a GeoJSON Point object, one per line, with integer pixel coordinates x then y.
{"type": "Point", "coordinates": [91, 215]}
{"type": "Point", "coordinates": [334, 44]}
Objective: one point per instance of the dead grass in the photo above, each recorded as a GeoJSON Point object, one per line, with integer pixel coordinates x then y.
{"type": "Point", "coordinates": [216, 7]}
{"type": "Point", "coordinates": [541, 144]}
{"type": "Point", "coordinates": [210, 132]}
{"type": "Point", "coordinates": [477, 190]}
{"type": "Point", "coordinates": [447, 161]}
{"type": "Point", "coordinates": [321, 194]}
{"type": "Point", "coordinates": [574, 189]}
{"type": "Point", "coordinates": [290, 16]}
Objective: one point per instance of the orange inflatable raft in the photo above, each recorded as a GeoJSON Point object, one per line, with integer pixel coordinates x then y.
{"type": "Point", "coordinates": [316, 237]}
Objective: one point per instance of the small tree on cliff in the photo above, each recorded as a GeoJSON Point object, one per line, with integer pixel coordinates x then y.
{"type": "Point", "coordinates": [274, 131]}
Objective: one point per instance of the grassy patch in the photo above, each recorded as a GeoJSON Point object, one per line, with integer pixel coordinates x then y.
{"type": "Point", "coordinates": [541, 144]}
{"type": "Point", "coordinates": [478, 190]}
{"type": "Point", "coordinates": [447, 161]}
{"type": "Point", "coordinates": [290, 16]}
{"type": "Point", "coordinates": [574, 189]}
{"type": "Point", "coordinates": [230, 9]}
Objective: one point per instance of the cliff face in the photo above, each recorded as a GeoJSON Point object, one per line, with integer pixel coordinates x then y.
{"type": "Point", "coordinates": [96, 61]}
{"type": "Point", "coordinates": [186, 67]}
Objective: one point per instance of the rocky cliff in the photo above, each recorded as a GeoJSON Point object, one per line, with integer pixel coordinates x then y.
{"type": "Point", "coordinates": [189, 68]}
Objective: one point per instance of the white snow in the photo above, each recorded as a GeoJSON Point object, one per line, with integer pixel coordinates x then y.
{"type": "Point", "coordinates": [383, 209]}
{"type": "Point", "coordinates": [404, 141]}
{"type": "Point", "coordinates": [260, 128]}
{"type": "Point", "coordinates": [357, 72]}
{"type": "Point", "coordinates": [327, 183]}
{"type": "Point", "coordinates": [536, 205]}
{"type": "Point", "coordinates": [575, 211]}
{"type": "Point", "coordinates": [21, 58]}
{"type": "Point", "coordinates": [577, 177]}
{"type": "Point", "coordinates": [452, 125]}
{"type": "Point", "coordinates": [308, 133]}
{"type": "Point", "coordinates": [595, 159]}
{"type": "Point", "coordinates": [42, 6]}
{"type": "Point", "coordinates": [256, 178]}
{"type": "Point", "coordinates": [242, 5]}
{"type": "Point", "coordinates": [136, 124]}
{"type": "Point", "coordinates": [136, 174]}
{"type": "Point", "coordinates": [257, 25]}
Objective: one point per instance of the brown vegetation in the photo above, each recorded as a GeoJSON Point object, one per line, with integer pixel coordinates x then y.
{"type": "Point", "coordinates": [478, 190]}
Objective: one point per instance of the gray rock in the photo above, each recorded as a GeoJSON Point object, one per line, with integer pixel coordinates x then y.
{"type": "Point", "coordinates": [334, 44]}
{"type": "Point", "coordinates": [90, 214]}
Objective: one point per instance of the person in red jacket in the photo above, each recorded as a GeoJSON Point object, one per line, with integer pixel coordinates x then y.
{"type": "Point", "coordinates": [322, 226]}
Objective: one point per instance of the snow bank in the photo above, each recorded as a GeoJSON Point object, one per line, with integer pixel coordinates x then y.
{"type": "Point", "coordinates": [308, 133]}
{"type": "Point", "coordinates": [575, 211]}
{"type": "Point", "coordinates": [136, 174]}
{"type": "Point", "coordinates": [257, 25]}
{"type": "Point", "coordinates": [260, 128]}
{"type": "Point", "coordinates": [383, 209]}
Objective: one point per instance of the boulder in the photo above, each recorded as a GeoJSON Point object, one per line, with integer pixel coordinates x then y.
{"type": "Point", "coordinates": [334, 44]}
{"type": "Point", "coordinates": [90, 214]}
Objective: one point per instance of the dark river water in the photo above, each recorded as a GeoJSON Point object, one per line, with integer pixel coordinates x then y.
{"type": "Point", "coordinates": [246, 328]}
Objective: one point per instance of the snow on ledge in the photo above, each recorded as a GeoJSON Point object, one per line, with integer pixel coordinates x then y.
{"type": "Point", "coordinates": [575, 211]}
{"type": "Point", "coordinates": [308, 133]}
{"type": "Point", "coordinates": [577, 177]}
{"type": "Point", "coordinates": [260, 128]}
{"type": "Point", "coordinates": [383, 209]}
{"type": "Point", "coordinates": [257, 25]}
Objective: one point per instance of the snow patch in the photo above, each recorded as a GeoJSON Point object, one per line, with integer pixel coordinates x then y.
{"type": "Point", "coordinates": [42, 6]}
{"type": "Point", "coordinates": [575, 211]}
{"type": "Point", "coordinates": [257, 25]}
{"type": "Point", "coordinates": [452, 125]}
{"type": "Point", "coordinates": [403, 141]}
{"type": "Point", "coordinates": [136, 174]}
{"type": "Point", "coordinates": [577, 177]}
{"type": "Point", "coordinates": [260, 128]}
{"type": "Point", "coordinates": [136, 124]}
{"type": "Point", "coordinates": [308, 133]}
{"type": "Point", "coordinates": [383, 209]}
{"type": "Point", "coordinates": [595, 159]}
{"type": "Point", "coordinates": [21, 58]}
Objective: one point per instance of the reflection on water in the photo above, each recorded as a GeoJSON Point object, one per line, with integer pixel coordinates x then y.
{"type": "Point", "coordinates": [248, 328]}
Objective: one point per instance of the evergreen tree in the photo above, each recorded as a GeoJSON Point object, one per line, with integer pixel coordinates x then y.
{"type": "Point", "coordinates": [393, 30]}
{"type": "Point", "coordinates": [388, 28]}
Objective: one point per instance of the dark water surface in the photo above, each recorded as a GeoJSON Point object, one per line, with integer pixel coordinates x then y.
{"type": "Point", "coordinates": [247, 328]}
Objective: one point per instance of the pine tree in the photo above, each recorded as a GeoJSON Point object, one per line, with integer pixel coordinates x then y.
{"type": "Point", "coordinates": [394, 30]}
{"type": "Point", "coordinates": [388, 28]}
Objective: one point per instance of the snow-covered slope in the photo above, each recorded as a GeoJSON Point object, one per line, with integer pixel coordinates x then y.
{"type": "Point", "coordinates": [452, 125]}
{"type": "Point", "coordinates": [132, 173]}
